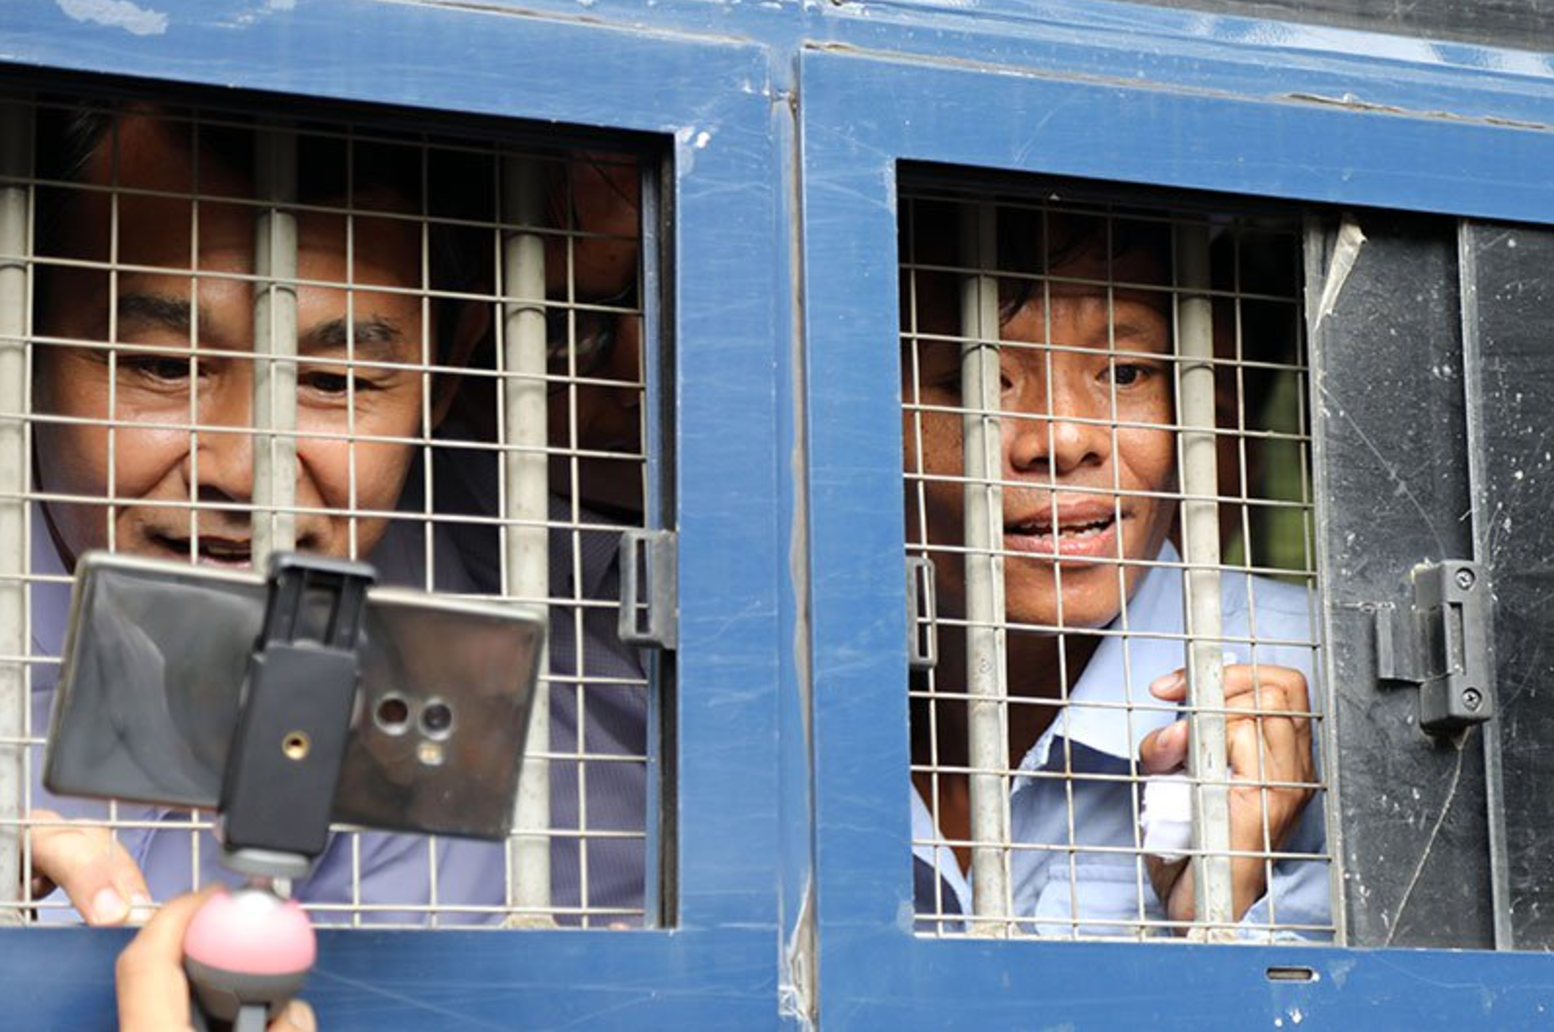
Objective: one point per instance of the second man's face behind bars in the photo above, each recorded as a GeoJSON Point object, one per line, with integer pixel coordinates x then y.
{"type": "Point", "coordinates": [1084, 405]}
{"type": "Point", "coordinates": [185, 357]}
{"type": "Point", "coordinates": [596, 358]}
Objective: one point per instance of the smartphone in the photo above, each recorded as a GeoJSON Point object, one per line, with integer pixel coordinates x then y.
{"type": "Point", "coordinates": [155, 660]}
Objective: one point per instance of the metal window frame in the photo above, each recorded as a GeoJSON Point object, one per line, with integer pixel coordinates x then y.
{"type": "Point", "coordinates": [713, 960]}
{"type": "Point", "coordinates": [1222, 104]}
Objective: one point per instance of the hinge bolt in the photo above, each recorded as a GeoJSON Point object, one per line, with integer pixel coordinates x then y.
{"type": "Point", "coordinates": [1464, 579]}
{"type": "Point", "coordinates": [1472, 699]}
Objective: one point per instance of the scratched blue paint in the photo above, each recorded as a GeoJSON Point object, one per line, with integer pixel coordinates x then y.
{"type": "Point", "coordinates": [1072, 87]}
{"type": "Point", "coordinates": [716, 963]}
{"type": "Point", "coordinates": [419, 55]}
{"type": "Point", "coordinates": [433, 981]}
{"type": "Point", "coordinates": [1142, 45]}
{"type": "Point", "coordinates": [1270, 146]}
{"type": "Point", "coordinates": [863, 113]}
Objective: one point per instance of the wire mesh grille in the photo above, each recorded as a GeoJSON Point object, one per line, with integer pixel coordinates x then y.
{"type": "Point", "coordinates": [1106, 458]}
{"type": "Point", "coordinates": [426, 351]}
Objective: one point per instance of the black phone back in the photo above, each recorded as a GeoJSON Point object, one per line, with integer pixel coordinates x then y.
{"type": "Point", "coordinates": [157, 655]}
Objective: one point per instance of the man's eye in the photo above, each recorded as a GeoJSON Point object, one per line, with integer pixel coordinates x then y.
{"type": "Point", "coordinates": [326, 381]}
{"type": "Point", "coordinates": [161, 368]}
{"type": "Point", "coordinates": [1126, 374]}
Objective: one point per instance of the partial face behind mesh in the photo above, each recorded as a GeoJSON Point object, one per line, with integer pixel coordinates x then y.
{"type": "Point", "coordinates": [152, 382]}
{"type": "Point", "coordinates": [146, 292]}
{"type": "Point", "coordinates": [595, 341]}
{"type": "Point", "coordinates": [1085, 410]}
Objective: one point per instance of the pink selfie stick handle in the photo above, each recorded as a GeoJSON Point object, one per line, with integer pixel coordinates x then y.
{"type": "Point", "coordinates": [246, 953]}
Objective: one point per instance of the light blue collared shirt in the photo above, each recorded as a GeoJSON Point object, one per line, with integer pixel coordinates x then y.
{"type": "Point", "coordinates": [1093, 882]}
{"type": "Point", "coordinates": [391, 876]}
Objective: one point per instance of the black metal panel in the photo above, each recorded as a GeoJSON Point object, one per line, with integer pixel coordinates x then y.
{"type": "Point", "coordinates": [1388, 414]}
{"type": "Point", "coordinates": [1521, 24]}
{"type": "Point", "coordinates": [1509, 299]}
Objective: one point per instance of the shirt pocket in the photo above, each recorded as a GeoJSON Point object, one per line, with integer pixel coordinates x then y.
{"type": "Point", "coordinates": [1105, 896]}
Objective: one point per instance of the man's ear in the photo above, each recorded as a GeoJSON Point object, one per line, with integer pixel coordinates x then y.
{"type": "Point", "coordinates": [474, 323]}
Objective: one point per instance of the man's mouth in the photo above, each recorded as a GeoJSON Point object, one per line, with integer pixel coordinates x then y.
{"type": "Point", "coordinates": [210, 550]}
{"type": "Point", "coordinates": [1079, 534]}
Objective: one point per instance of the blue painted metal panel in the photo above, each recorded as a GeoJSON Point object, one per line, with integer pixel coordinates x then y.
{"type": "Point", "coordinates": [62, 979]}
{"type": "Point", "coordinates": [731, 331]}
{"type": "Point", "coordinates": [710, 102]}
{"type": "Point", "coordinates": [1111, 41]}
{"type": "Point", "coordinates": [441, 57]}
{"type": "Point", "coordinates": [1078, 985]}
{"type": "Point", "coordinates": [1183, 137]}
{"type": "Point", "coordinates": [450, 981]}
{"type": "Point", "coordinates": [862, 115]}
{"type": "Point", "coordinates": [1145, 45]}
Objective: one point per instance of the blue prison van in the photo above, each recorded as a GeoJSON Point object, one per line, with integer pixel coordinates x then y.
{"type": "Point", "coordinates": [1036, 505]}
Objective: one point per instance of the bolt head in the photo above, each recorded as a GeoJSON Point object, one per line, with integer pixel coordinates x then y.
{"type": "Point", "coordinates": [1464, 579]}
{"type": "Point", "coordinates": [1472, 699]}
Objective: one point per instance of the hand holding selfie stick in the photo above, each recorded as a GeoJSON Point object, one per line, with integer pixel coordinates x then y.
{"type": "Point", "coordinates": [248, 952]}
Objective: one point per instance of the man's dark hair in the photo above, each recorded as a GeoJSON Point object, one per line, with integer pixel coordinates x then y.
{"type": "Point", "coordinates": [1034, 242]}
{"type": "Point", "coordinates": [329, 166]}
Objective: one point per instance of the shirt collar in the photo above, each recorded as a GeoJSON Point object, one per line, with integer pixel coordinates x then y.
{"type": "Point", "coordinates": [1119, 672]}
{"type": "Point", "coordinates": [925, 835]}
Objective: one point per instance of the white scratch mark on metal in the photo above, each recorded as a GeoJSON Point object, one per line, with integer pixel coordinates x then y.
{"type": "Point", "coordinates": [1440, 819]}
{"type": "Point", "coordinates": [1345, 253]}
{"type": "Point", "coordinates": [1400, 486]}
{"type": "Point", "coordinates": [117, 14]}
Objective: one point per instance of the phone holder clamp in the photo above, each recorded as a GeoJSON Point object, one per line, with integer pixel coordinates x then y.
{"type": "Point", "coordinates": [249, 951]}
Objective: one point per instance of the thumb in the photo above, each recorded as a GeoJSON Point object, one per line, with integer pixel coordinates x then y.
{"type": "Point", "coordinates": [96, 872]}
{"type": "Point", "coordinates": [296, 1017]}
{"type": "Point", "coordinates": [1164, 749]}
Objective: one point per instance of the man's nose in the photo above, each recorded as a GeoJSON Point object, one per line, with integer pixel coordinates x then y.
{"type": "Point", "coordinates": [1057, 427]}
{"type": "Point", "coordinates": [220, 464]}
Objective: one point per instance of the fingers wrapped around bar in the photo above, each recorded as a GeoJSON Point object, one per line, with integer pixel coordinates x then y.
{"type": "Point", "coordinates": [1268, 748]}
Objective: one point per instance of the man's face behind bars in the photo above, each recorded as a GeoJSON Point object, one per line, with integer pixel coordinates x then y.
{"type": "Point", "coordinates": [1085, 437]}
{"type": "Point", "coordinates": [200, 369]}
{"type": "Point", "coordinates": [601, 415]}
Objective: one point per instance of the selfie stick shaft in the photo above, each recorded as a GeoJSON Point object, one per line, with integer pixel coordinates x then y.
{"type": "Point", "coordinates": [248, 952]}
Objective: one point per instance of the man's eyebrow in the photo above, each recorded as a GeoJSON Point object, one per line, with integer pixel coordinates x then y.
{"type": "Point", "coordinates": [1141, 336]}
{"type": "Point", "coordinates": [373, 338]}
{"type": "Point", "coordinates": [171, 313]}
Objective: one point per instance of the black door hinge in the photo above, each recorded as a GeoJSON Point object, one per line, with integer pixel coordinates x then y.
{"type": "Point", "coordinates": [1441, 644]}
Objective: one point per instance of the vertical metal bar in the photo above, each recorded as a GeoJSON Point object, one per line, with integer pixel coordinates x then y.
{"type": "Point", "coordinates": [1208, 763]}
{"type": "Point", "coordinates": [1478, 478]}
{"type": "Point", "coordinates": [275, 346]}
{"type": "Point", "coordinates": [15, 310]}
{"type": "Point", "coordinates": [659, 893]}
{"type": "Point", "coordinates": [986, 671]}
{"type": "Point", "coordinates": [1315, 231]}
{"type": "Point", "coordinates": [526, 552]}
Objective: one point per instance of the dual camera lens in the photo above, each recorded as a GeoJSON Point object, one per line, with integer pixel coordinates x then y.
{"type": "Point", "coordinates": [393, 716]}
